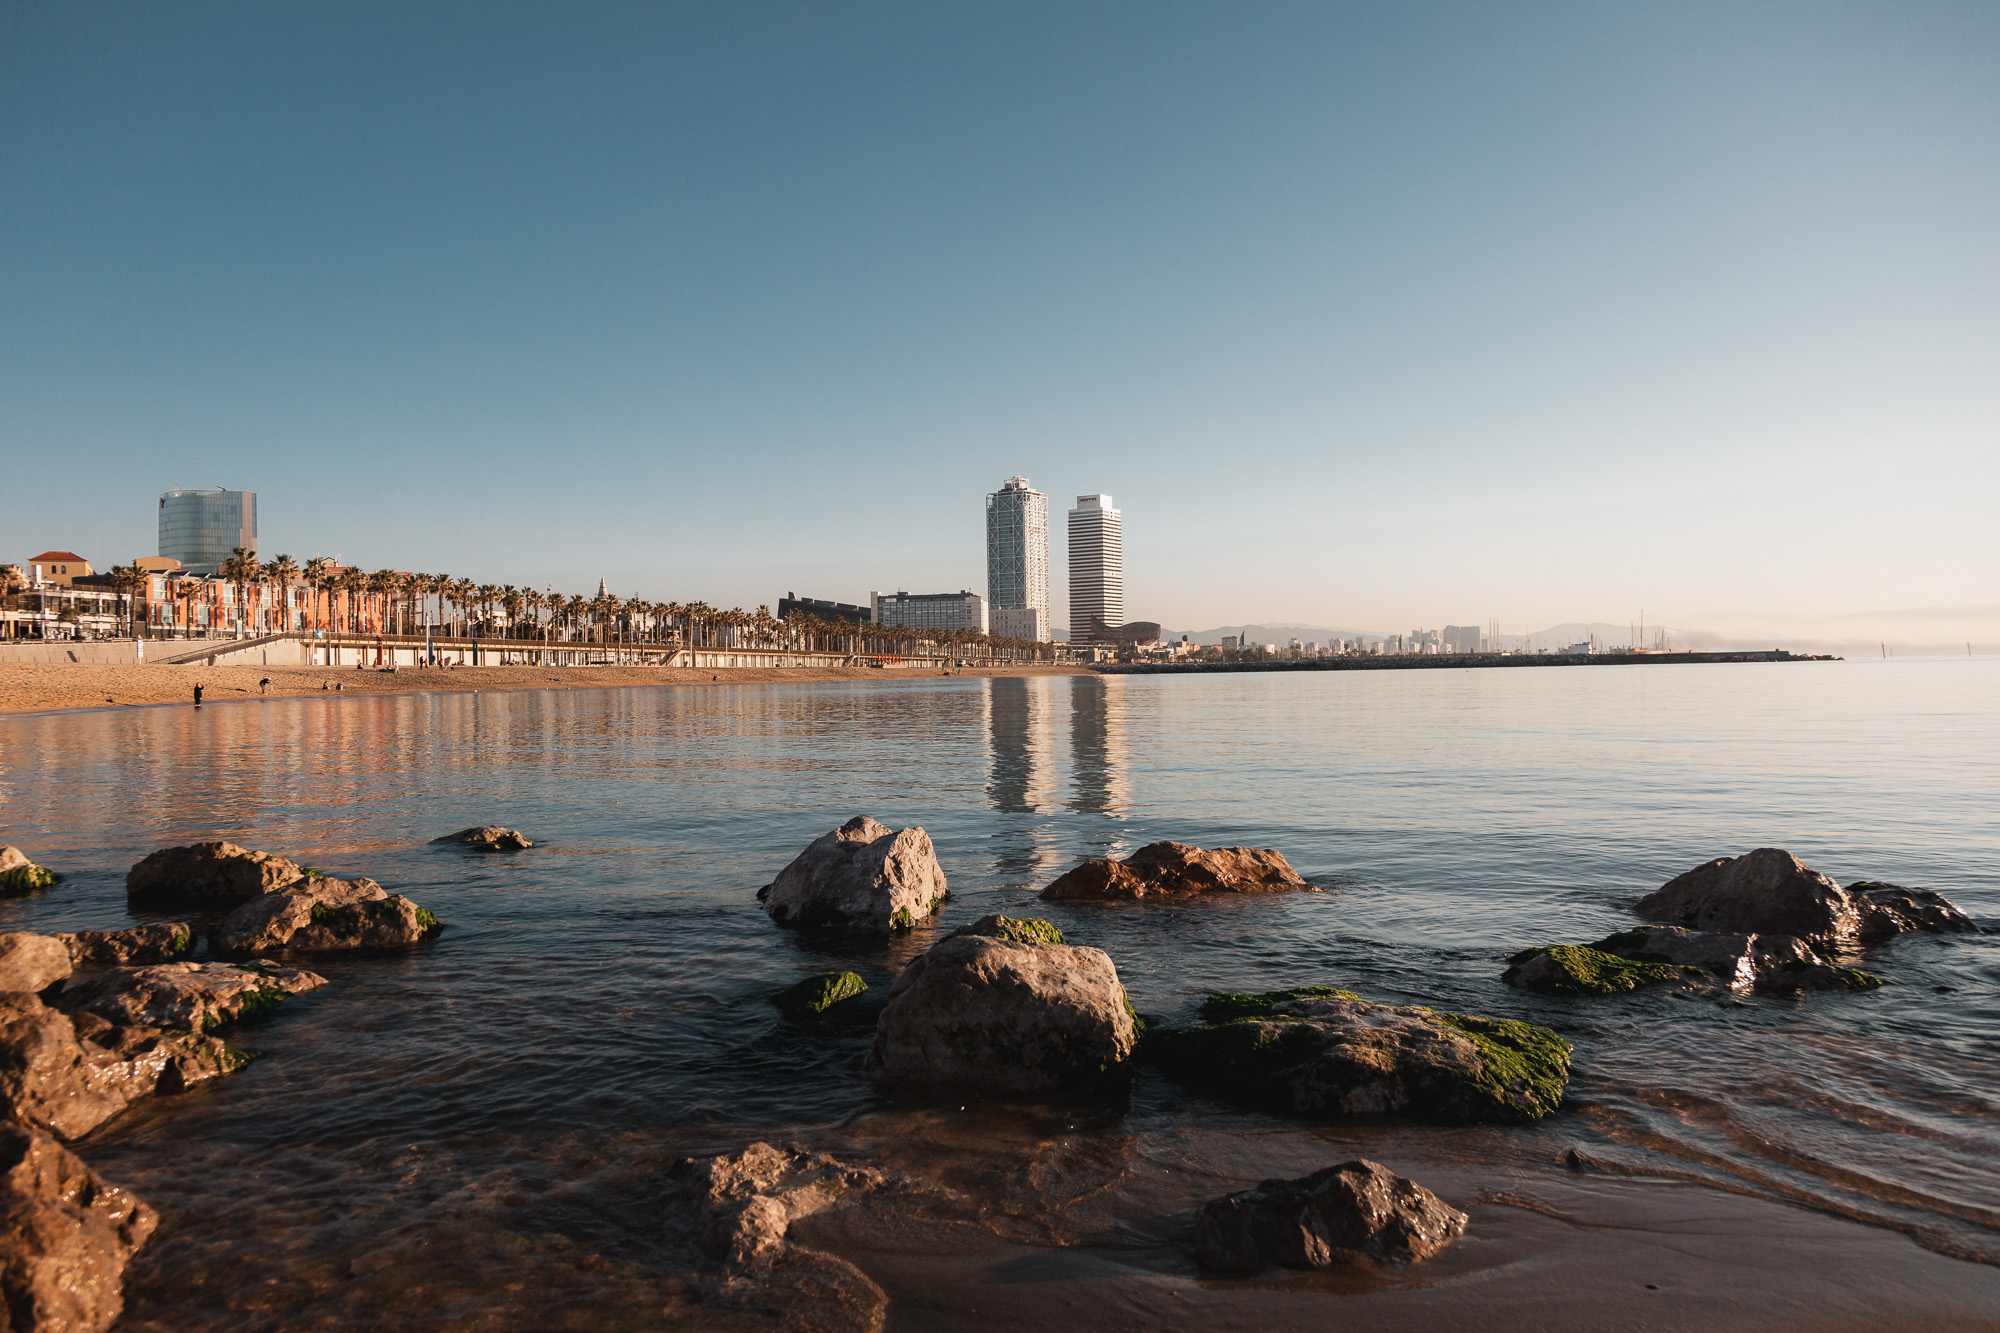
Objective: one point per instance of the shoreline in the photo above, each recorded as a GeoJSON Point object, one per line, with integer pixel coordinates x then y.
{"type": "Point", "coordinates": [37, 689]}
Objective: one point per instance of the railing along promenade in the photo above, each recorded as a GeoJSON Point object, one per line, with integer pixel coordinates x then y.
{"type": "Point", "coordinates": [341, 649]}
{"type": "Point", "coordinates": [1447, 661]}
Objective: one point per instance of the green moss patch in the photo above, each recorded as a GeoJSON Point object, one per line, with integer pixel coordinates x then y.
{"type": "Point", "coordinates": [426, 920]}
{"type": "Point", "coordinates": [1235, 1006]}
{"type": "Point", "coordinates": [902, 920]}
{"type": "Point", "coordinates": [1020, 929]}
{"type": "Point", "coordinates": [1525, 1068]}
{"type": "Point", "coordinates": [27, 879]}
{"type": "Point", "coordinates": [815, 995]}
{"type": "Point", "coordinates": [1576, 969]}
{"type": "Point", "coordinates": [181, 941]}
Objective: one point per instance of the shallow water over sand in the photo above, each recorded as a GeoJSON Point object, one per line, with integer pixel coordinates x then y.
{"type": "Point", "coordinates": [471, 1136]}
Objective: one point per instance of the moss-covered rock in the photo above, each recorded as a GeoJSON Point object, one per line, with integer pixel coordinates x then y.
{"type": "Point", "coordinates": [1324, 1052]}
{"type": "Point", "coordinates": [25, 879]}
{"type": "Point", "coordinates": [816, 994]}
{"type": "Point", "coordinates": [1575, 969]}
{"type": "Point", "coordinates": [1020, 929]}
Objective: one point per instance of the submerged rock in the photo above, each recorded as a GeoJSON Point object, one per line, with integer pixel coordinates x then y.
{"type": "Point", "coordinates": [1575, 969]}
{"type": "Point", "coordinates": [1020, 929]}
{"type": "Point", "coordinates": [1324, 1052]}
{"type": "Point", "coordinates": [735, 1212]}
{"type": "Point", "coordinates": [19, 875]}
{"type": "Point", "coordinates": [31, 963]}
{"type": "Point", "coordinates": [185, 997]}
{"type": "Point", "coordinates": [1002, 1008]}
{"type": "Point", "coordinates": [207, 877]}
{"type": "Point", "coordinates": [488, 838]}
{"type": "Point", "coordinates": [1771, 892]}
{"type": "Point", "coordinates": [1738, 962]}
{"type": "Point", "coordinates": [816, 994]}
{"type": "Point", "coordinates": [1176, 867]}
{"type": "Point", "coordinates": [65, 1237]}
{"type": "Point", "coordinates": [861, 876]}
{"type": "Point", "coordinates": [325, 916]}
{"type": "Point", "coordinates": [1359, 1209]}
{"type": "Point", "coordinates": [160, 942]}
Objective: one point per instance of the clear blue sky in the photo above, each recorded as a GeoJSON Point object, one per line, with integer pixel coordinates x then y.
{"type": "Point", "coordinates": [1376, 315]}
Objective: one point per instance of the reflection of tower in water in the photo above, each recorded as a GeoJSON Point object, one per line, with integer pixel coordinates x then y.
{"type": "Point", "coordinates": [1019, 722]}
{"type": "Point", "coordinates": [1100, 771]}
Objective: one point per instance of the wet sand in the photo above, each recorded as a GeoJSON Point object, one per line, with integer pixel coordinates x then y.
{"type": "Point", "coordinates": [58, 687]}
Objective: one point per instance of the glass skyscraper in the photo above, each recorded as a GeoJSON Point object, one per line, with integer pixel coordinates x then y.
{"type": "Point", "coordinates": [201, 528]}
{"type": "Point", "coordinates": [1096, 567]}
{"type": "Point", "coordinates": [1017, 560]}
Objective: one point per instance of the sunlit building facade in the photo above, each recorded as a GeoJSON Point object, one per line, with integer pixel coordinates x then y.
{"type": "Point", "coordinates": [1096, 566]}
{"type": "Point", "coordinates": [201, 528]}
{"type": "Point", "coordinates": [1017, 559]}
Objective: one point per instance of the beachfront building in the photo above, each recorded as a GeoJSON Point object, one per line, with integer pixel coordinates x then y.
{"type": "Point", "coordinates": [201, 528]}
{"type": "Point", "coordinates": [58, 568]}
{"type": "Point", "coordinates": [791, 604]}
{"type": "Point", "coordinates": [1027, 623]}
{"type": "Point", "coordinates": [962, 610]}
{"type": "Point", "coordinates": [1017, 559]}
{"type": "Point", "coordinates": [1096, 566]}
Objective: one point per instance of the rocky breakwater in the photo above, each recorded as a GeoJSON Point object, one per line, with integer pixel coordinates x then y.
{"type": "Point", "coordinates": [1176, 868]}
{"type": "Point", "coordinates": [487, 838]}
{"type": "Point", "coordinates": [1359, 1210]}
{"type": "Point", "coordinates": [19, 875]}
{"type": "Point", "coordinates": [77, 1046]}
{"type": "Point", "coordinates": [862, 876]}
{"type": "Point", "coordinates": [1764, 921]}
{"type": "Point", "coordinates": [1323, 1052]}
{"type": "Point", "coordinates": [1006, 1005]}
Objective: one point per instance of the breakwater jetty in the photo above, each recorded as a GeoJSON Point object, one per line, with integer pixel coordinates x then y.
{"type": "Point", "coordinates": [1449, 661]}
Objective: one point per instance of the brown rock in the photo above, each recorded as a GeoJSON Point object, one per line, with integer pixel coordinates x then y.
{"type": "Point", "coordinates": [65, 1237]}
{"type": "Point", "coordinates": [31, 963]}
{"type": "Point", "coordinates": [1771, 892]}
{"type": "Point", "coordinates": [206, 877]}
{"type": "Point", "coordinates": [488, 838]}
{"type": "Point", "coordinates": [1739, 962]}
{"type": "Point", "coordinates": [743, 1203]}
{"type": "Point", "coordinates": [325, 916]}
{"type": "Point", "coordinates": [160, 942]}
{"type": "Point", "coordinates": [46, 1076]}
{"type": "Point", "coordinates": [1008, 1012]}
{"type": "Point", "coordinates": [1176, 867]}
{"type": "Point", "coordinates": [184, 997]}
{"type": "Point", "coordinates": [861, 876]}
{"type": "Point", "coordinates": [1359, 1209]}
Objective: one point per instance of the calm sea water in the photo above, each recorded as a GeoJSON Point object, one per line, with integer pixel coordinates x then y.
{"type": "Point", "coordinates": [483, 1121]}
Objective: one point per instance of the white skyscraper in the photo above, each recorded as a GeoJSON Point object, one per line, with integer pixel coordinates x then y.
{"type": "Point", "coordinates": [1096, 566]}
{"type": "Point", "coordinates": [1017, 561]}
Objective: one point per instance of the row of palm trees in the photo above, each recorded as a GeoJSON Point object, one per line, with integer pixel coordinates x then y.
{"type": "Point", "coordinates": [393, 602]}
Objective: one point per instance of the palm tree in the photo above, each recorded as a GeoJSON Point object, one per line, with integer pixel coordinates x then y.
{"type": "Point", "coordinates": [283, 571]}
{"type": "Point", "coordinates": [127, 579]}
{"type": "Point", "coordinates": [241, 569]}
{"type": "Point", "coordinates": [352, 582]}
{"type": "Point", "coordinates": [317, 571]}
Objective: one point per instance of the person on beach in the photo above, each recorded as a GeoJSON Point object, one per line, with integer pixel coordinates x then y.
{"type": "Point", "coordinates": [264, 685]}
{"type": "Point", "coordinates": [197, 696]}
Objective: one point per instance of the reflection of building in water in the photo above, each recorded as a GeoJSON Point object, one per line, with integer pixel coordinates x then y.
{"type": "Point", "coordinates": [1100, 770]}
{"type": "Point", "coordinates": [1020, 724]}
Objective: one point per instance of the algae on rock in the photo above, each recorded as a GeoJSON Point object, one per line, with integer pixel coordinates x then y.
{"type": "Point", "coordinates": [1576, 969]}
{"type": "Point", "coordinates": [816, 994]}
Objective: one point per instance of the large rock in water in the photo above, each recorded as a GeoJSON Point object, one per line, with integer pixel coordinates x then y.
{"type": "Point", "coordinates": [1323, 1052]}
{"type": "Point", "coordinates": [65, 1237]}
{"type": "Point", "coordinates": [206, 877]}
{"type": "Point", "coordinates": [488, 838]}
{"type": "Point", "coordinates": [1738, 962]}
{"type": "Point", "coordinates": [1359, 1209]}
{"type": "Point", "coordinates": [861, 876]}
{"type": "Point", "coordinates": [19, 875]}
{"type": "Point", "coordinates": [1771, 892]}
{"type": "Point", "coordinates": [325, 916]}
{"type": "Point", "coordinates": [160, 942]}
{"type": "Point", "coordinates": [186, 997]}
{"type": "Point", "coordinates": [1177, 868]}
{"type": "Point", "coordinates": [1001, 1007]}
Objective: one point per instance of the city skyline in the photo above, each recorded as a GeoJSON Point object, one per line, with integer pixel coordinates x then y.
{"type": "Point", "coordinates": [1535, 317]}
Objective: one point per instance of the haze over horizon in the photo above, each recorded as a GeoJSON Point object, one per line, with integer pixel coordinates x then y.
{"type": "Point", "coordinates": [1365, 316]}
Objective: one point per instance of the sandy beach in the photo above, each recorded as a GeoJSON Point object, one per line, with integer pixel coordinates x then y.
{"type": "Point", "coordinates": [59, 687]}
